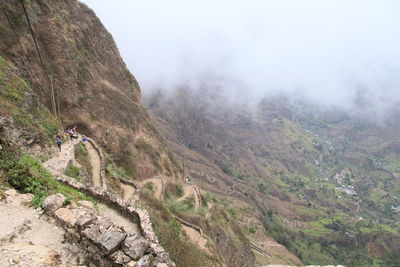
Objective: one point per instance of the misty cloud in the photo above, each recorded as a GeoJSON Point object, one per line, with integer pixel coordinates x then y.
{"type": "Point", "coordinates": [337, 53]}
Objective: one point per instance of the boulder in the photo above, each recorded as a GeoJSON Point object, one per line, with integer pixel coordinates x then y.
{"type": "Point", "coordinates": [53, 203]}
{"type": "Point", "coordinates": [85, 220]}
{"type": "Point", "coordinates": [144, 261]}
{"type": "Point", "coordinates": [66, 216]}
{"type": "Point", "coordinates": [135, 246]}
{"type": "Point", "coordinates": [92, 233]}
{"type": "Point", "coordinates": [111, 241]}
{"type": "Point", "coordinates": [120, 257]}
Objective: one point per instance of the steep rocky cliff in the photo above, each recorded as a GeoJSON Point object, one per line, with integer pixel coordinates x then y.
{"type": "Point", "coordinates": [77, 59]}
{"type": "Point", "coordinates": [59, 67]}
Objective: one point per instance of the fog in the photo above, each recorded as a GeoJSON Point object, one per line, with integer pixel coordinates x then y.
{"type": "Point", "coordinates": [335, 53]}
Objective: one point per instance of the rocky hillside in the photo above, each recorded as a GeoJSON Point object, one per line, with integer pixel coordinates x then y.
{"type": "Point", "coordinates": [70, 51]}
{"type": "Point", "coordinates": [59, 67]}
{"type": "Point", "coordinates": [323, 183]}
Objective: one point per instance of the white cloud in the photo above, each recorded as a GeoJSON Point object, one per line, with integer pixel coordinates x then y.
{"type": "Point", "coordinates": [322, 50]}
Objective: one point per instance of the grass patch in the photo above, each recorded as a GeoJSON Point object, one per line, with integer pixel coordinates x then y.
{"type": "Point", "coordinates": [74, 172]}
{"type": "Point", "coordinates": [173, 190]}
{"type": "Point", "coordinates": [148, 188]}
{"type": "Point", "coordinates": [172, 238]}
{"type": "Point", "coordinates": [27, 175]}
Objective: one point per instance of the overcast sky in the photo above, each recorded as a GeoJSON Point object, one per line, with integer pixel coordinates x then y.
{"type": "Point", "coordinates": [330, 51]}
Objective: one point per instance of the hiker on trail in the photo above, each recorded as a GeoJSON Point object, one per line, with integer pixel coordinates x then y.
{"type": "Point", "coordinates": [59, 142]}
{"type": "Point", "coordinates": [84, 139]}
{"type": "Point", "coordinates": [71, 134]}
{"type": "Point", "coordinates": [74, 129]}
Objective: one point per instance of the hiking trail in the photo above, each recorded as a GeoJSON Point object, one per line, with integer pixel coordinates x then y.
{"type": "Point", "coordinates": [190, 190]}
{"type": "Point", "coordinates": [95, 161]}
{"type": "Point", "coordinates": [63, 159]}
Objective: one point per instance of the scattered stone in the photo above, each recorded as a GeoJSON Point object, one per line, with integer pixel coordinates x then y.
{"type": "Point", "coordinates": [144, 261]}
{"type": "Point", "coordinates": [66, 216]}
{"type": "Point", "coordinates": [105, 224]}
{"type": "Point", "coordinates": [53, 203]}
{"type": "Point", "coordinates": [111, 241]}
{"type": "Point", "coordinates": [135, 246]}
{"type": "Point", "coordinates": [120, 257]}
{"type": "Point", "coordinates": [85, 220]}
{"type": "Point", "coordinates": [92, 233]}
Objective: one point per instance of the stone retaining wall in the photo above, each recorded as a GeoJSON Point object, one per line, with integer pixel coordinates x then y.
{"type": "Point", "coordinates": [131, 183]}
{"type": "Point", "coordinates": [197, 228]}
{"type": "Point", "coordinates": [136, 213]}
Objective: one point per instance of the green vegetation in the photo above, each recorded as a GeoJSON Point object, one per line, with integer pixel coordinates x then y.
{"type": "Point", "coordinates": [230, 170]}
{"type": "Point", "coordinates": [172, 237]}
{"type": "Point", "coordinates": [333, 240]}
{"type": "Point", "coordinates": [16, 99]}
{"type": "Point", "coordinates": [173, 190]}
{"type": "Point", "coordinates": [148, 188]}
{"type": "Point", "coordinates": [185, 206]}
{"type": "Point", "coordinates": [74, 172]}
{"type": "Point", "coordinates": [27, 175]}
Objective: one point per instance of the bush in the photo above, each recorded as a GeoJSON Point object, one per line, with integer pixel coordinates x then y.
{"type": "Point", "coordinates": [148, 188]}
{"type": "Point", "coordinates": [27, 175]}
{"type": "Point", "coordinates": [173, 190]}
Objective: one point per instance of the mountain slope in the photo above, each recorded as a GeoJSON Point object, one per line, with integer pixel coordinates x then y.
{"type": "Point", "coordinates": [93, 89]}
{"type": "Point", "coordinates": [324, 184]}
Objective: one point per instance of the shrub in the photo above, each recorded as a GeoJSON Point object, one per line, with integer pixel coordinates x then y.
{"type": "Point", "coordinates": [27, 175]}
{"type": "Point", "coordinates": [173, 190]}
{"type": "Point", "coordinates": [148, 188]}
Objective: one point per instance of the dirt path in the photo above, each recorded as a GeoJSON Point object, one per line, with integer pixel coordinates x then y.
{"type": "Point", "coordinates": [128, 191]}
{"type": "Point", "coordinates": [95, 161]}
{"type": "Point", "coordinates": [210, 206]}
{"type": "Point", "coordinates": [61, 161]}
{"type": "Point", "coordinates": [118, 219]}
{"type": "Point", "coordinates": [188, 191]}
{"type": "Point", "coordinates": [158, 186]}
{"type": "Point", "coordinates": [28, 238]}
{"type": "Point", "coordinates": [195, 237]}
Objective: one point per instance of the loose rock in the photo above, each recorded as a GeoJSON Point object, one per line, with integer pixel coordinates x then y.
{"type": "Point", "coordinates": [53, 203]}
{"type": "Point", "coordinates": [111, 241]}
{"type": "Point", "coordinates": [66, 216]}
{"type": "Point", "coordinates": [135, 246]}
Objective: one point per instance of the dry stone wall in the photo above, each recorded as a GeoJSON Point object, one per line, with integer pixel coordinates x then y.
{"type": "Point", "coordinates": [136, 213]}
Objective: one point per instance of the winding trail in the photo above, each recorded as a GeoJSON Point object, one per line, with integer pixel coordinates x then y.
{"type": "Point", "coordinates": [95, 161]}
{"type": "Point", "coordinates": [190, 190]}
{"type": "Point", "coordinates": [158, 186]}
{"type": "Point", "coordinates": [64, 158]}
{"type": "Point", "coordinates": [128, 191]}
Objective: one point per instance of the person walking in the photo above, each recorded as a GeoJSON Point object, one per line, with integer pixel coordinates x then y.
{"type": "Point", "coordinates": [84, 139]}
{"type": "Point", "coordinates": [59, 142]}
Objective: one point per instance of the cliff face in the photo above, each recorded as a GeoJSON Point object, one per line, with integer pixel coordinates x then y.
{"type": "Point", "coordinates": [93, 89]}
